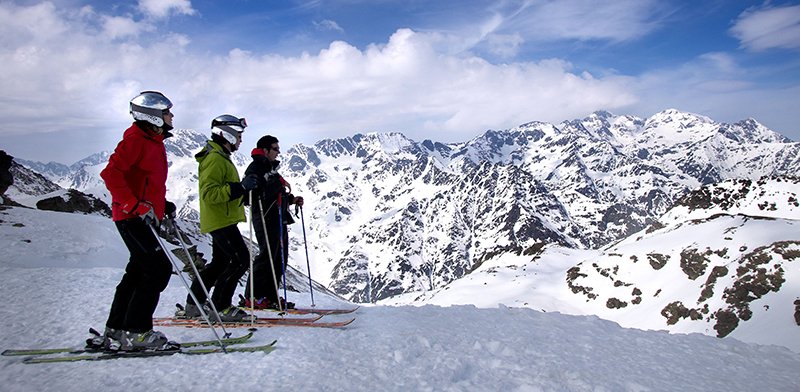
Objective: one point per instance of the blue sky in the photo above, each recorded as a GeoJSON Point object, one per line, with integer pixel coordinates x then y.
{"type": "Point", "coordinates": [441, 70]}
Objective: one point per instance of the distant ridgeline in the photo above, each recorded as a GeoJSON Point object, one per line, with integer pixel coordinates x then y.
{"type": "Point", "coordinates": [386, 215]}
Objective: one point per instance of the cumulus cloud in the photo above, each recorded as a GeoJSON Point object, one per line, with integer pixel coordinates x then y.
{"type": "Point", "coordinates": [65, 70]}
{"type": "Point", "coordinates": [406, 84]}
{"type": "Point", "coordinates": [768, 28]}
{"type": "Point", "coordinates": [120, 27]}
{"type": "Point", "coordinates": [160, 9]}
{"type": "Point", "coordinates": [72, 74]}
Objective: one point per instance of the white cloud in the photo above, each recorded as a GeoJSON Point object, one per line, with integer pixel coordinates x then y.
{"type": "Point", "coordinates": [80, 79]}
{"type": "Point", "coordinates": [504, 45]}
{"type": "Point", "coordinates": [621, 20]}
{"type": "Point", "coordinates": [403, 85]}
{"type": "Point", "coordinates": [61, 74]}
{"type": "Point", "coordinates": [329, 25]}
{"type": "Point", "coordinates": [120, 26]}
{"type": "Point", "coordinates": [160, 9]}
{"type": "Point", "coordinates": [63, 77]}
{"type": "Point", "coordinates": [715, 85]}
{"type": "Point", "coordinates": [767, 28]}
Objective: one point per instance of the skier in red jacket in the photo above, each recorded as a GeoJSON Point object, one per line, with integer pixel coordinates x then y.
{"type": "Point", "coordinates": [136, 177]}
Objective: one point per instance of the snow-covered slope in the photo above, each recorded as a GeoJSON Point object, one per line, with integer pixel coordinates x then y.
{"type": "Point", "coordinates": [725, 260]}
{"type": "Point", "coordinates": [57, 281]}
{"type": "Point", "coordinates": [722, 262]}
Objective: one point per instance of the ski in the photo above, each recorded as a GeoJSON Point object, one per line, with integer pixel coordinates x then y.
{"type": "Point", "coordinates": [307, 310]}
{"type": "Point", "coordinates": [102, 356]}
{"type": "Point", "coordinates": [311, 310]}
{"type": "Point", "coordinates": [171, 321]}
{"type": "Point", "coordinates": [72, 350]}
{"type": "Point", "coordinates": [320, 311]}
{"type": "Point", "coordinates": [246, 324]}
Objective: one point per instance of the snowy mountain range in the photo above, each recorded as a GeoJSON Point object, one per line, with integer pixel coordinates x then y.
{"type": "Point", "coordinates": [398, 221]}
{"type": "Point", "coordinates": [722, 262]}
{"type": "Point", "coordinates": [711, 261]}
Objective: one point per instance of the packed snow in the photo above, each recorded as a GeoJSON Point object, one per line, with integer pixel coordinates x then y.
{"type": "Point", "coordinates": [58, 272]}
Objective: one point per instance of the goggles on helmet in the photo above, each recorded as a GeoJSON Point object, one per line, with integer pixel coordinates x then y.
{"type": "Point", "coordinates": [150, 106]}
{"type": "Point", "coordinates": [227, 119]}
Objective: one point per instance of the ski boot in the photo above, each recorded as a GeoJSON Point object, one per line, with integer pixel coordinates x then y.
{"type": "Point", "coordinates": [107, 341]}
{"type": "Point", "coordinates": [148, 341]}
{"type": "Point", "coordinates": [233, 314]}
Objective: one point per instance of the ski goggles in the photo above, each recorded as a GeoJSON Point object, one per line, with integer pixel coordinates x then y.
{"type": "Point", "coordinates": [228, 120]}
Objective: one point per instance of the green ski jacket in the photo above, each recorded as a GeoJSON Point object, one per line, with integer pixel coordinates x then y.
{"type": "Point", "coordinates": [220, 205]}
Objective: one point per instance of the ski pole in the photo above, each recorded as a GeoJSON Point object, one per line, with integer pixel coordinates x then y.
{"type": "Point", "coordinates": [179, 234]}
{"type": "Point", "coordinates": [252, 278]}
{"type": "Point", "coordinates": [281, 248]}
{"type": "Point", "coordinates": [269, 251]}
{"type": "Point", "coordinates": [180, 274]}
{"type": "Point", "coordinates": [308, 263]}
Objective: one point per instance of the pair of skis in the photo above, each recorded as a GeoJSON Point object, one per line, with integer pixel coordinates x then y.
{"type": "Point", "coordinates": [71, 354]}
{"type": "Point", "coordinates": [312, 320]}
{"type": "Point", "coordinates": [56, 355]}
{"type": "Point", "coordinates": [321, 311]}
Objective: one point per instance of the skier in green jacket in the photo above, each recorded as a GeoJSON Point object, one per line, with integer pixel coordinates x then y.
{"type": "Point", "coordinates": [221, 210]}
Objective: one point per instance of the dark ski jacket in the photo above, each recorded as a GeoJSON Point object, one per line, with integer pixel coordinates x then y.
{"type": "Point", "coordinates": [272, 188]}
{"type": "Point", "coordinates": [137, 172]}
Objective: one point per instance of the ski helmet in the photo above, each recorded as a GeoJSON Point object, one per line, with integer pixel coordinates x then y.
{"type": "Point", "coordinates": [229, 127]}
{"type": "Point", "coordinates": [150, 106]}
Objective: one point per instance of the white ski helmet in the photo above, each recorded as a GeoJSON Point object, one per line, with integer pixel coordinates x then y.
{"type": "Point", "coordinates": [150, 106]}
{"type": "Point", "coordinates": [229, 127]}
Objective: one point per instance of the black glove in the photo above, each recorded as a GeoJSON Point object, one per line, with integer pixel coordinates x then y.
{"type": "Point", "coordinates": [297, 200]}
{"type": "Point", "coordinates": [168, 225]}
{"type": "Point", "coordinates": [250, 182]}
{"type": "Point", "coordinates": [169, 209]}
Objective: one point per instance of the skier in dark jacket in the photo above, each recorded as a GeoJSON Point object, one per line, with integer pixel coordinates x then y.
{"type": "Point", "coordinates": [271, 200]}
{"type": "Point", "coordinates": [136, 177]}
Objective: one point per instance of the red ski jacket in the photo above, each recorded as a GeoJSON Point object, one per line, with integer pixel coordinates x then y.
{"type": "Point", "coordinates": [137, 172]}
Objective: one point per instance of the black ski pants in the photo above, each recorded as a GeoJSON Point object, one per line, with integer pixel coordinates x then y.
{"type": "Point", "coordinates": [229, 262]}
{"type": "Point", "coordinates": [146, 276]}
{"type": "Point", "coordinates": [263, 278]}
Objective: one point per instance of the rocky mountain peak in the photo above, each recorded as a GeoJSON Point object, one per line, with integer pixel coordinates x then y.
{"type": "Point", "coordinates": [388, 215]}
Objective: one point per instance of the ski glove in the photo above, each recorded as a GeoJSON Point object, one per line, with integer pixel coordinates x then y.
{"type": "Point", "coordinates": [168, 225]}
{"type": "Point", "coordinates": [250, 182]}
{"type": "Point", "coordinates": [298, 201]}
{"type": "Point", "coordinates": [144, 210]}
{"type": "Point", "coordinates": [169, 209]}
{"type": "Point", "coordinates": [239, 189]}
